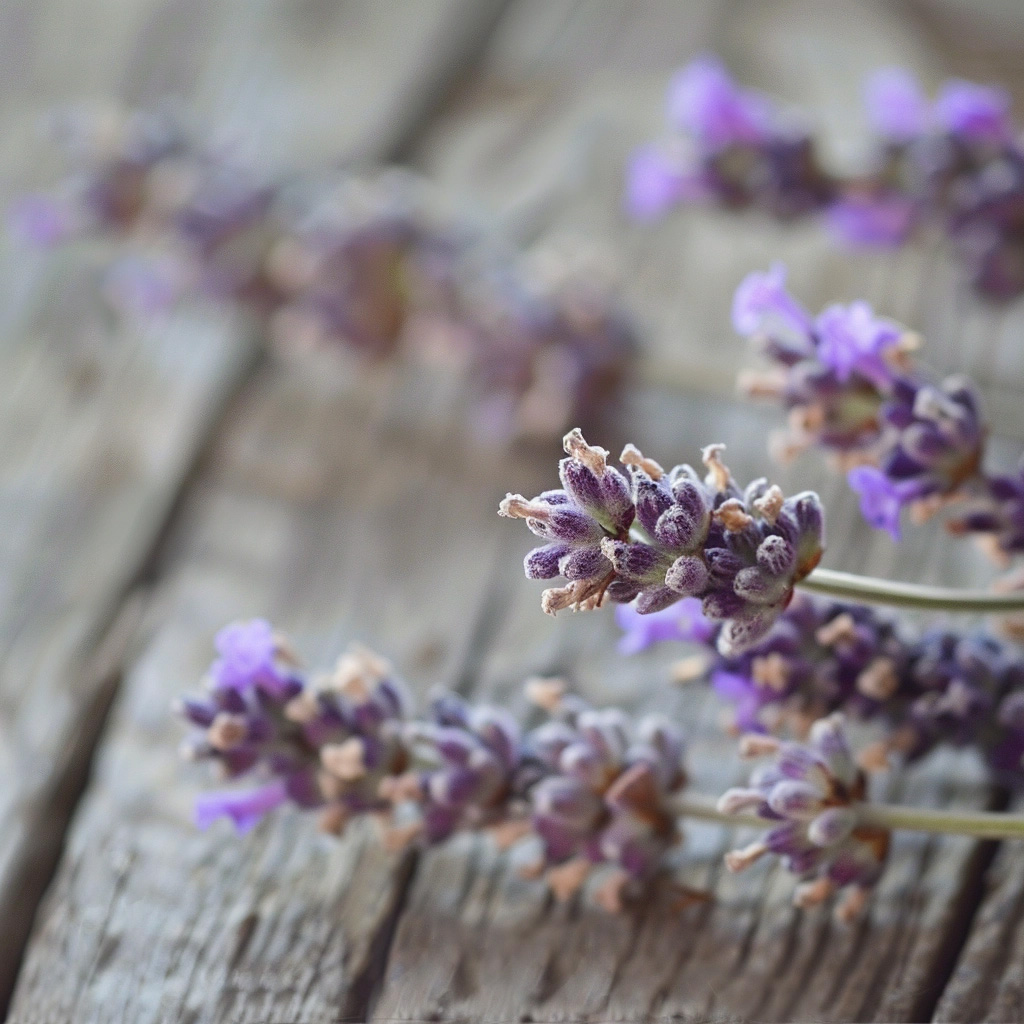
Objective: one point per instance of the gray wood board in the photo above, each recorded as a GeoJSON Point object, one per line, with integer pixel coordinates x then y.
{"type": "Point", "coordinates": [102, 423]}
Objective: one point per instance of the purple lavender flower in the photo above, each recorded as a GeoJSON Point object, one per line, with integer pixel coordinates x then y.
{"type": "Point", "coordinates": [852, 340]}
{"type": "Point", "coordinates": [594, 787]}
{"type": "Point", "coordinates": [832, 373]}
{"type": "Point", "coordinates": [957, 163]}
{"type": "Point", "coordinates": [248, 655]}
{"type": "Point", "coordinates": [358, 259]}
{"type": "Point", "coordinates": [245, 808]}
{"type": "Point", "coordinates": [658, 178]}
{"type": "Point", "coordinates": [873, 219]}
{"type": "Point", "coordinates": [763, 306]}
{"type": "Point", "coordinates": [932, 447]}
{"type": "Point", "coordinates": [958, 682]}
{"type": "Point", "coordinates": [740, 551]}
{"type": "Point", "coordinates": [606, 797]}
{"type": "Point", "coordinates": [998, 512]}
{"type": "Point", "coordinates": [882, 500]}
{"type": "Point", "coordinates": [551, 340]}
{"type": "Point", "coordinates": [812, 793]}
{"type": "Point", "coordinates": [849, 385]}
{"type": "Point", "coordinates": [682, 622]}
{"type": "Point", "coordinates": [729, 145]}
{"type": "Point", "coordinates": [475, 758]}
{"type": "Point", "coordinates": [330, 745]}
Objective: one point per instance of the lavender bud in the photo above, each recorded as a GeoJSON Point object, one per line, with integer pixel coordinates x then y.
{"type": "Point", "coordinates": [542, 563]}
{"type": "Point", "coordinates": [688, 575]}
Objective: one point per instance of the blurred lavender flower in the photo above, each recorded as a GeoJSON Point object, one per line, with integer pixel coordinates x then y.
{"type": "Point", "coordinates": [896, 104]}
{"type": "Point", "coordinates": [931, 448]}
{"type": "Point", "coordinates": [373, 263]}
{"type": "Point", "coordinates": [740, 551]}
{"type": "Point", "coordinates": [605, 796]}
{"type": "Point", "coordinates": [832, 373]}
{"type": "Point", "coordinates": [849, 385]}
{"type": "Point", "coordinates": [683, 621]}
{"type": "Point", "coordinates": [812, 792]}
{"type": "Point", "coordinates": [956, 161]}
{"type": "Point", "coordinates": [551, 341]}
{"type": "Point", "coordinates": [359, 258]}
{"type": "Point", "coordinates": [998, 512]}
{"type": "Point", "coordinates": [730, 145]}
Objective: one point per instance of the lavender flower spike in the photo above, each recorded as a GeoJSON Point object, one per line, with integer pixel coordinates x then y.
{"type": "Point", "coordinates": [594, 787]}
{"type": "Point", "coordinates": [812, 793]}
{"type": "Point", "coordinates": [675, 535]}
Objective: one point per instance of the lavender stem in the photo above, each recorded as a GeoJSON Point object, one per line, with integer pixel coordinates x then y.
{"type": "Point", "coordinates": [870, 590]}
{"type": "Point", "coordinates": [980, 824]}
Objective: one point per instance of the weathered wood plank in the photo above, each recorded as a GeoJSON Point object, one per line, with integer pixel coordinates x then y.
{"type": "Point", "coordinates": [102, 425]}
{"type": "Point", "coordinates": [988, 981]}
{"type": "Point", "coordinates": [309, 514]}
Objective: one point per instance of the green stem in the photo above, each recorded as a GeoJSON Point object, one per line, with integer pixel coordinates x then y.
{"type": "Point", "coordinates": [868, 590]}
{"type": "Point", "coordinates": [980, 824]}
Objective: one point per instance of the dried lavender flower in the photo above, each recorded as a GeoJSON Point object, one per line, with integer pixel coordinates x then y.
{"type": "Point", "coordinates": [811, 793]}
{"type": "Point", "coordinates": [593, 786]}
{"type": "Point", "coordinates": [740, 551]}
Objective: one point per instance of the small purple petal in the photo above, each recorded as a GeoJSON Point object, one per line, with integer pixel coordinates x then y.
{"type": "Point", "coordinates": [872, 220]}
{"type": "Point", "coordinates": [762, 305]}
{"type": "Point", "coordinates": [897, 106]}
{"type": "Point", "coordinates": [978, 113]}
{"type": "Point", "coordinates": [245, 808]}
{"type": "Point", "coordinates": [655, 182]}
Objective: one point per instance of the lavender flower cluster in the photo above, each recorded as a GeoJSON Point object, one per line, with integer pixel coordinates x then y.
{"type": "Point", "coordinates": [366, 262]}
{"type": "Point", "coordinates": [591, 786]}
{"type": "Point", "coordinates": [851, 385]}
{"type": "Point", "coordinates": [660, 536]}
{"type": "Point", "coordinates": [588, 787]}
{"type": "Point", "coordinates": [823, 657]}
{"type": "Point", "coordinates": [727, 145]}
{"type": "Point", "coordinates": [810, 794]}
{"type": "Point", "coordinates": [956, 162]}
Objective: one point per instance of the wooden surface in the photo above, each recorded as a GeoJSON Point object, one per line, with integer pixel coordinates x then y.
{"type": "Point", "coordinates": [158, 483]}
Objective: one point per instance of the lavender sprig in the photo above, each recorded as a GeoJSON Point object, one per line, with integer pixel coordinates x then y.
{"type": "Point", "coordinates": [664, 536]}
{"type": "Point", "coordinates": [811, 794]}
{"type": "Point", "coordinates": [592, 786]}
{"type": "Point", "coordinates": [850, 385]}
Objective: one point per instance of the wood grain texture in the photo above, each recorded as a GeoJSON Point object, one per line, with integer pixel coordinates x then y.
{"type": "Point", "coordinates": [336, 514]}
{"type": "Point", "coordinates": [988, 982]}
{"type": "Point", "coordinates": [308, 513]}
{"type": "Point", "coordinates": [102, 424]}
